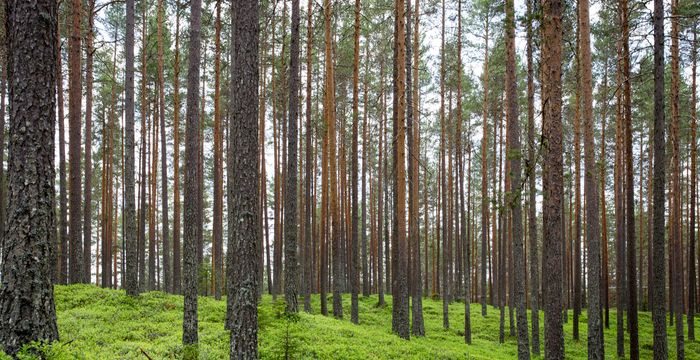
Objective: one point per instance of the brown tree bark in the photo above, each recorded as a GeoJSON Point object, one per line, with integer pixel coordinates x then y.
{"type": "Point", "coordinates": [595, 328]}
{"type": "Point", "coordinates": [192, 204]}
{"type": "Point", "coordinates": [27, 309]}
{"type": "Point", "coordinates": [532, 209]}
{"type": "Point", "coordinates": [87, 191]}
{"type": "Point", "coordinates": [167, 286]}
{"type": "Point", "coordinates": [290, 219]}
{"type": "Point", "coordinates": [552, 177]}
{"type": "Point", "coordinates": [77, 270]}
{"type": "Point", "coordinates": [243, 139]}
{"type": "Point", "coordinates": [658, 300]}
{"type": "Point", "coordinates": [310, 203]}
{"type": "Point", "coordinates": [354, 264]}
{"type": "Point", "coordinates": [692, 280]}
{"type": "Point", "coordinates": [675, 186]}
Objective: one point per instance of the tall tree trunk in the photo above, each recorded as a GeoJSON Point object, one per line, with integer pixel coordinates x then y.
{"type": "Point", "coordinates": [244, 141]}
{"type": "Point", "coordinates": [129, 216]}
{"type": "Point", "coordinates": [604, 222]}
{"type": "Point", "coordinates": [164, 162]}
{"type": "Point", "coordinates": [595, 328]}
{"type": "Point", "coordinates": [445, 282]}
{"type": "Point", "coordinates": [354, 264]}
{"type": "Point", "coordinates": [532, 209]}
{"type": "Point", "coordinates": [675, 186]}
{"type": "Point", "coordinates": [74, 120]}
{"type": "Point", "coordinates": [27, 309]}
{"type": "Point", "coordinates": [412, 128]}
{"type": "Point", "coordinates": [484, 169]}
{"type": "Point", "coordinates": [552, 177]}
{"type": "Point", "coordinates": [577, 186]}
{"type": "Point", "coordinates": [192, 212]}
{"type": "Point", "coordinates": [658, 300]}
{"type": "Point", "coordinates": [87, 191]}
{"type": "Point", "coordinates": [629, 190]}
{"type": "Point", "coordinates": [366, 267]}
{"type": "Point", "coordinates": [517, 268]}
{"type": "Point", "coordinates": [692, 281]}
{"type": "Point", "coordinates": [176, 285]}
{"type": "Point", "coordinates": [63, 196]}
{"type": "Point", "coordinates": [460, 187]}
{"type": "Point", "coordinates": [399, 284]}
{"type": "Point", "coordinates": [290, 219]}
{"type": "Point", "coordinates": [380, 189]}
{"type": "Point", "coordinates": [217, 225]}
{"type": "Point", "coordinates": [310, 203]}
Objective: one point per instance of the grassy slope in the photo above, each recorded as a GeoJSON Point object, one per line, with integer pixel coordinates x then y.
{"type": "Point", "coordinates": [106, 324]}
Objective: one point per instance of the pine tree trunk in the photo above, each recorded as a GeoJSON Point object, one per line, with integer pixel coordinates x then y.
{"type": "Point", "coordinates": [552, 177]}
{"type": "Point", "coordinates": [675, 186]}
{"type": "Point", "coordinates": [310, 203]}
{"type": "Point", "coordinates": [290, 220]}
{"type": "Point", "coordinates": [192, 203]}
{"type": "Point", "coordinates": [531, 174]}
{"type": "Point", "coordinates": [517, 268]}
{"type": "Point", "coordinates": [484, 170]}
{"type": "Point", "coordinates": [413, 133]}
{"type": "Point", "coordinates": [595, 328]}
{"type": "Point", "coordinates": [167, 283]}
{"type": "Point", "coordinates": [692, 281]}
{"type": "Point", "coordinates": [658, 300]}
{"type": "Point", "coordinates": [27, 287]}
{"type": "Point", "coordinates": [354, 264]}
{"type": "Point", "coordinates": [176, 286]}
{"type": "Point", "coordinates": [87, 191]}
{"type": "Point", "coordinates": [74, 121]}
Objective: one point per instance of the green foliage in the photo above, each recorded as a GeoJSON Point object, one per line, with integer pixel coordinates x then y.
{"type": "Point", "coordinates": [97, 323]}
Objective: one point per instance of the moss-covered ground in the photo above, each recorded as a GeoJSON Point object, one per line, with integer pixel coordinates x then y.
{"type": "Point", "coordinates": [96, 323]}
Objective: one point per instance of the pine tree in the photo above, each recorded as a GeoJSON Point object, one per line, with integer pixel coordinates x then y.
{"type": "Point", "coordinates": [192, 204]}
{"type": "Point", "coordinates": [74, 121]}
{"type": "Point", "coordinates": [243, 140]}
{"type": "Point", "coordinates": [552, 177]}
{"type": "Point", "coordinates": [129, 215]}
{"type": "Point", "coordinates": [27, 286]}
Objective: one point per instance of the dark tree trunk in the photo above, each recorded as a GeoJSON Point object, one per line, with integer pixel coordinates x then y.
{"type": "Point", "coordinates": [531, 174]}
{"type": "Point", "coordinates": [217, 223]}
{"type": "Point", "coordinates": [692, 295]}
{"type": "Point", "coordinates": [74, 116]}
{"type": "Point", "coordinates": [63, 196]}
{"type": "Point", "coordinates": [552, 178]}
{"type": "Point", "coordinates": [243, 140]}
{"type": "Point", "coordinates": [87, 210]}
{"type": "Point", "coordinates": [658, 300]}
{"type": "Point", "coordinates": [517, 268]}
{"type": "Point", "coordinates": [310, 203]}
{"type": "Point", "coordinates": [354, 264]}
{"type": "Point", "coordinates": [291, 276]}
{"type": "Point", "coordinates": [27, 309]}
{"type": "Point", "coordinates": [629, 190]}
{"type": "Point", "coordinates": [131, 279]}
{"type": "Point", "coordinates": [176, 286]}
{"type": "Point", "coordinates": [412, 129]}
{"type": "Point", "coordinates": [595, 326]}
{"type": "Point", "coordinates": [167, 282]}
{"type": "Point", "coordinates": [192, 204]}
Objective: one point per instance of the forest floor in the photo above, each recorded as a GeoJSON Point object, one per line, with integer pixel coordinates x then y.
{"type": "Point", "coordinates": [96, 323]}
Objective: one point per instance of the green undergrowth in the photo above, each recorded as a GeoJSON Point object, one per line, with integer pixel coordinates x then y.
{"type": "Point", "coordinates": [96, 323]}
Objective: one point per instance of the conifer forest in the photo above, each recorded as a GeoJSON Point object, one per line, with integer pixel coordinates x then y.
{"type": "Point", "coordinates": [349, 179]}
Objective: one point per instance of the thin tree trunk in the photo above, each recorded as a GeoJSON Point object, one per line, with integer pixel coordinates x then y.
{"type": "Point", "coordinates": [659, 295]}
{"type": "Point", "coordinates": [675, 186]}
{"type": "Point", "coordinates": [290, 203]}
{"type": "Point", "coordinates": [164, 162]}
{"type": "Point", "coordinates": [692, 281]}
{"type": "Point", "coordinates": [484, 170]}
{"type": "Point", "coordinates": [176, 285]}
{"type": "Point", "coordinates": [532, 209]}
{"type": "Point", "coordinates": [310, 203]}
{"type": "Point", "coordinates": [74, 120]}
{"type": "Point", "coordinates": [87, 191]}
{"type": "Point", "coordinates": [354, 264]}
